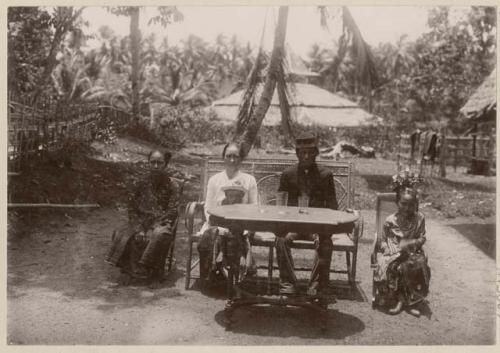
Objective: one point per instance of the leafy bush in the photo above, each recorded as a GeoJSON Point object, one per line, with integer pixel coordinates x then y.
{"type": "Point", "coordinates": [176, 126]}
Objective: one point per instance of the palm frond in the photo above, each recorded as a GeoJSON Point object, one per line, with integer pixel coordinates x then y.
{"type": "Point", "coordinates": [364, 60]}
{"type": "Point", "coordinates": [351, 38]}
{"type": "Point", "coordinates": [323, 13]}
{"type": "Point", "coordinates": [95, 93]}
{"type": "Point", "coordinates": [247, 105]}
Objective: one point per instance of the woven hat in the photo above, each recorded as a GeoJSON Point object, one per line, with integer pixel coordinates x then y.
{"type": "Point", "coordinates": [233, 187]}
{"type": "Point", "coordinates": [306, 140]}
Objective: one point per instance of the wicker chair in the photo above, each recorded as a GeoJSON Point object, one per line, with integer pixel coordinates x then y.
{"type": "Point", "coordinates": [267, 173]}
{"type": "Point", "coordinates": [170, 263]}
{"type": "Point", "coordinates": [385, 206]}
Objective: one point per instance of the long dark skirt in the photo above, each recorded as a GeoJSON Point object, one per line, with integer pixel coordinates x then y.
{"type": "Point", "coordinates": [408, 278]}
{"type": "Point", "coordinates": [135, 256]}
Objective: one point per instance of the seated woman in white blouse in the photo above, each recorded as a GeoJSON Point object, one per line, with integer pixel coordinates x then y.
{"type": "Point", "coordinates": [231, 177]}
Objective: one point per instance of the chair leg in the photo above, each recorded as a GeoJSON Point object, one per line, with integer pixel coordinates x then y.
{"type": "Point", "coordinates": [348, 263]}
{"type": "Point", "coordinates": [270, 269]}
{"type": "Point", "coordinates": [170, 256]}
{"type": "Point", "coordinates": [188, 265]}
{"type": "Point", "coordinates": [353, 270]}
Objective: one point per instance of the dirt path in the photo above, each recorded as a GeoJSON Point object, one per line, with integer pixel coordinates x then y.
{"type": "Point", "coordinates": [60, 291]}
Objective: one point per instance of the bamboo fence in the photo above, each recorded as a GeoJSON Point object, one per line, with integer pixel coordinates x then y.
{"type": "Point", "coordinates": [455, 151]}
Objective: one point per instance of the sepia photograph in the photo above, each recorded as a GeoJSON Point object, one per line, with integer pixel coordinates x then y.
{"type": "Point", "coordinates": [272, 175]}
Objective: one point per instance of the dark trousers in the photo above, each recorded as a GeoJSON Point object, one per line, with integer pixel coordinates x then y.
{"type": "Point", "coordinates": [231, 243]}
{"type": "Point", "coordinates": [208, 249]}
{"type": "Point", "coordinates": [320, 274]}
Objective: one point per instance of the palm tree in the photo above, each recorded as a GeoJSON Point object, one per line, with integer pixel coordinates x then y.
{"type": "Point", "coordinates": [135, 39]}
{"type": "Point", "coordinates": [351, 39]}
{"type": "Point", "coordinates": [70, 75]}
{"type": "Point", "coordinates": [111, 88]}
{"type": "Point", "coordinates": [167, 14]}
{"type": "Point", "coordinates": [248, 136]}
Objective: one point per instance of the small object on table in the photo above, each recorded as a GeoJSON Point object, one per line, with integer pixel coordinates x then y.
{"type": "Point", "coordinates": [281, 198]}
{"type": "Point", "coordinates": [303, 203]}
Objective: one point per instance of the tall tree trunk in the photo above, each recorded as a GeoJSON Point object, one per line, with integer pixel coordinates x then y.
{"type": "Point", "coordinates": [248, 137]}
{"type": "Point", "coordinates": [135, 36]}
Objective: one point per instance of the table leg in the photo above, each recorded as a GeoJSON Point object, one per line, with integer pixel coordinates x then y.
{"type": "Point", "coordinates": [270, 270]}
{"type": "Point", "coordinates": [228, 314]}
{"type": "Point", "coordinates": [232, 254]}
{"type": "Point", "coordinates": [238, 297]}
{"type": "Point", "coordinates": [323, 303]}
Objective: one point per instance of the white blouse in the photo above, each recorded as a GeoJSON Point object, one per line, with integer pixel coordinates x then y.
{"type": "Point", "coordinates": [215, 195]}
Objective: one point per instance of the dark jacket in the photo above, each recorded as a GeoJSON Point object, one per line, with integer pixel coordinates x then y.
{"type": "Point", "coordinates": [317, 183]}
{"type": "Point", "coordinates": [153, 200]}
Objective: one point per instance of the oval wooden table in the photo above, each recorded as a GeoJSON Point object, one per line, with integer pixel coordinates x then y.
{"type": "Point", "coordinates": [280, 220]}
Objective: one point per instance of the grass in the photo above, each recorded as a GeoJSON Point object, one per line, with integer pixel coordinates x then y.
{"type": "Point", "coordinates": [457, 195]}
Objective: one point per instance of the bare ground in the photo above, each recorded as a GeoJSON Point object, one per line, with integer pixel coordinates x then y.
{"type": "Point", "coordinates": [60, 291]}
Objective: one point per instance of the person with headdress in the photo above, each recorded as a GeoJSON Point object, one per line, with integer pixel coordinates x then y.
{"type": "Point", "coordinates": [140, 248]}
{"type": "Point", "coordinates": [230, 186]}
{"type": "Point", "coordinates": [309, 179]}
{"type": "Point", "coordinates": [402, 274]}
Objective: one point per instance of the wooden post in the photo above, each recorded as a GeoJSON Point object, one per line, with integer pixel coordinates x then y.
{"type": "Point", "coordinates": [443, 154]}
{"type": "Point", "coordinates": [491, 147]}
{"type": "Point", "coordinates": [385, 140]}
{"type": "Point", "coordinates": [474, 138]}
{"type": "Point", "coordinates": [419, 156]}
{"type": "Point", "coordinates": [399, 154]}
{"type": "Point", "coordinates": [20, 150]}
{"type": "Point", "coordinates": [455, 155]}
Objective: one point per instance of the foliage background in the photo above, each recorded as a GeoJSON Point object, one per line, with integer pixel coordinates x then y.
{"type": "Point", "coordinates": [421, 83]}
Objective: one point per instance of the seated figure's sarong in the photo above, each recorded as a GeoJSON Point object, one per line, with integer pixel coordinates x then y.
{"type": "Point", "coordinates": [404, 271]}
{"type": "Point", "coordinates": [146, 239]}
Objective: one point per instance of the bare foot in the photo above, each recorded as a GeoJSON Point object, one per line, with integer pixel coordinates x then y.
{"type": "Point", "coordinates": [414, 311]}
{"type": "Point", "coordinates": [397, 309]}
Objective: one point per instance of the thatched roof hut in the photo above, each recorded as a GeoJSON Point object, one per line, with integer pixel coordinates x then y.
{"type": "Point", "coordinates": [482, 105]}
{"type": "Point", "coordinates": [310, 105]}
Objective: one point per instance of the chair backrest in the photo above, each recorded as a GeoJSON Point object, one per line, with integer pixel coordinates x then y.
{"type": "Point", "coordinates": [386, 205]}
{"type": "Point", "coordinates": [180, 183]}
{"type": "Point", "coordinates": [267, 172]}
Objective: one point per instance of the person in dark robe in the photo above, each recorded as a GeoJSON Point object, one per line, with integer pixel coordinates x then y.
{"type": "Point", "coordinates": [140, 248]}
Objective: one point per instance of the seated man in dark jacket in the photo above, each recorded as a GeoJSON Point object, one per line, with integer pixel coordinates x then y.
{"type": "Point", "coordinates": [307, 179]}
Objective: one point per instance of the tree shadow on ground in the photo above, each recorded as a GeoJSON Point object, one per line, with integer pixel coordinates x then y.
{"type": "Point", "coordinates": [483, 236]}
{"type": "Point", "coordinates": [291, 322]}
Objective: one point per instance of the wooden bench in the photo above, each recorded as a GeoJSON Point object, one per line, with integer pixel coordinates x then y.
{"type": "Point", "coordinates": [267, 172]}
